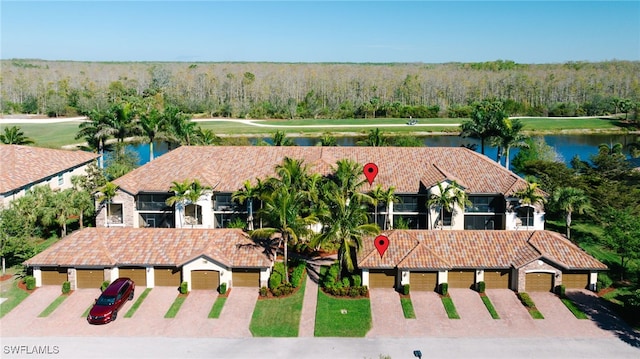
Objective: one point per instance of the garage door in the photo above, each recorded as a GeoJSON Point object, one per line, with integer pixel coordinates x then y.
{"type": "Point", "coordinates": [53, 276]}
{"type": "Point", "coordinates": [423, 281]}
{"type": "Point", "coordinates": [575, 280]}
{"type": "Point", "coordinates": [166, 276]}
{"type": "Point", "coordinates": [137, 274]}
{"type": "Point", "coordinates": [461, 278]}
{"type": "Point", "coordinates": [382, 278]}
{"type": "Point", "coordinates": [246, 278]}
{"type": "Point", "coordinates": [89, 278]}
{"type": "Point", "coordinates": [497, 279]}
{"type": "Point", "coordinates": [539, 282]}
{"type": "Point", "coordinates": [205, 279]}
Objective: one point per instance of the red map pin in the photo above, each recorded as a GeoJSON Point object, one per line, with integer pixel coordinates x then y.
{"type": "Point", "coordinates": [381, 243]}
{"type": "Point", "coordinates": [370, 171]}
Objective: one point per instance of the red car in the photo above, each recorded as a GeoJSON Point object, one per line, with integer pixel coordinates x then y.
{"type": "Point", "coordinates": [106, 308]}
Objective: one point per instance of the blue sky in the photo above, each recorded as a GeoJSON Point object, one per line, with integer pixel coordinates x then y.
{"type": "Point", "coordinates": [321, 31]}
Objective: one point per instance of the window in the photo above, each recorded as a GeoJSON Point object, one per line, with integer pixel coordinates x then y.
{"type": "Point", "coordinates": [156, 220]}
{"type": "Point", "coordinates": [223, 203]}
{"type": "Point", "coordinates": [193, 214]}
{"type": "Point", "coordinates": [224, 219]}
{"type": "Point", "coordinates": [484, 204]}
{"type": "Point", "coordinates": [152, 202]}
{"type": "Point", "coordinates": [114, 213]}
{"type": "Point", "coordinates": [447, 218]}
{"type": "Point", "coordinates": [525, 216]}
{"type": "Point", "coordinates": [407, 204]}
{"type": "Point", "coordinates": [60, 180]}
{"type": "Point", "coordinates": [482, 222]}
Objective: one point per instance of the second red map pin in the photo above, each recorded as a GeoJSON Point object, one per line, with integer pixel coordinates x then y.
{"type": "Point", "coordinates": [381, 243]}
{"type": "Point", "coordinates": [370, 171]}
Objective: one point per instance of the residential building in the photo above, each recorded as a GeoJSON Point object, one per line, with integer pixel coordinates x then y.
{"type": "Point", "coordinates": [22, 167]}
{"type": "Point", "coordinates": [415, 173]}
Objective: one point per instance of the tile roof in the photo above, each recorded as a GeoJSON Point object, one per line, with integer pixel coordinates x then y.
{"type": "Point", "coordinates": [22, 165]}
{"type": "Point", "coordinates": [227, 167]}
{"type": "Point", "coordinates": [433, 249]}
{"type": "Point", "coordinates": [152, 246]}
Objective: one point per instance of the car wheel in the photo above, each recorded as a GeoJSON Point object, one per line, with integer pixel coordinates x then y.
{"type": "Point", "coordinates": [114, 316]}
{"type": "Point", "coordinates": [131, 295]}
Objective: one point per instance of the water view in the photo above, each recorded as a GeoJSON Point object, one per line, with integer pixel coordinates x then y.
{"type": "Point", "coordinates": [566, 146]}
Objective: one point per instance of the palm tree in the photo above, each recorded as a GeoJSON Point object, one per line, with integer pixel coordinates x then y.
{"type": "Point", "coordinates": [107, 193]}
{"type": "Point", "coordinates": [327, 140]}
{"type": "Point", "coordinates": [510, 135]}
{"type": "Point", "coordinates": [377, 195]}
{"type": "Point", "coordinates": [280, 139]}
{"type": "Point", "coordinates": [448, 198]}
{"type": "Point", "coordinates": [61, 210]}
{"type": "Point", "coordinates": [569, 200]}
{"type": "Point", "coordinates": [530, 196]}
{"type": "Point", "coordinates": [389, 197]}
{"type": "Point", "coordinates": [14, 136]}
{"type": "Point", "coordinates": [96, 132]}
{"type": "Point", "coordinates": [152, 124]}
{"type": "Point", "coordinates": [179, 197]}
{"type": "Point", "coordinates": [181, 129]}
{"type": "Point", "coordinates": [248, 193]}
{"type": "Point", "coordinates": [348, 225]}
{"type": "Point", "coordinates": [485, 120]}
{"type": "Point", "coordinates": [375, 138]}
{"type": "Point", "coordinates": [206, 137]}
{"type": "Point", "coordinates": [283, 210]}
{"type": "Point", "coordinates": [122, 124]}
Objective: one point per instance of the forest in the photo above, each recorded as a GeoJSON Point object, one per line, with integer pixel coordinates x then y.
{"type": "Point", "coordinates": [323, 90]}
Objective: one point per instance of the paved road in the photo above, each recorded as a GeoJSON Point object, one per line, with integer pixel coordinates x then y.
{"type": "Point", "coordinates": [494, 348]}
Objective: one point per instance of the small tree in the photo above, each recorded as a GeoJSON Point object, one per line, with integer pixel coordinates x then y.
{"type": "Point", "coordinates": [106, 195]}
{"type": "Point", "coordinates": [447, 198]}
{"type": "Point", "coordinates": [622, 235]}
{"type": "Point", "coordinates": [569, 200]}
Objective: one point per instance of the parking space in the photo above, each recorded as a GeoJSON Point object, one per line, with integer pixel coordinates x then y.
{"type": "Point", "coordinates": [386, 312]}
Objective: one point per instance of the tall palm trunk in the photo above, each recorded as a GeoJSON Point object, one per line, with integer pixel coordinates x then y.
{"type": "Point", "coordinates": [569, 224]}
{"type": "Point", "coordinates": [285, 239]}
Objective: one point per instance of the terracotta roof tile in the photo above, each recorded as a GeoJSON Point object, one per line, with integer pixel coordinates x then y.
{"type": "Point", "coordinates": [154, 246]}
{"type": "Point", "coordinates": [22, 165]}
{"type": "Point", "coordinates": [407, 169]}
{"type": "Point", "coordinates": [435, 249]}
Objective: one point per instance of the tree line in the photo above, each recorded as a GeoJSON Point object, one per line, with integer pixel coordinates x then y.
{"type": "Point", "coordinates": [323, 90]}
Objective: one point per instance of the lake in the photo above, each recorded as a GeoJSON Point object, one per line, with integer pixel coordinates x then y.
{"type": "Point", "coordinates": [566, 146]}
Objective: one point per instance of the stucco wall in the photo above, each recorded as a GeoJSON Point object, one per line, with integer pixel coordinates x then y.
{"type": "Point", "coordinates": [203, 263]}
{"type": "Point", "coordinates": [128, 211]}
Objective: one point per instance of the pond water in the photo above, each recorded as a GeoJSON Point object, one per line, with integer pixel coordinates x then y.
{"type": "Point", "coordinates": [566, 146]}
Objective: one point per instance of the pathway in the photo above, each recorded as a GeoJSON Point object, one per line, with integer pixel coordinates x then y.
{"type": "Point", "coordinates": [310, 300]}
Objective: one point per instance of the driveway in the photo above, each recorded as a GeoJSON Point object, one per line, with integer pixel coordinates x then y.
{"type": "Point", "coordinates": [387, 318]}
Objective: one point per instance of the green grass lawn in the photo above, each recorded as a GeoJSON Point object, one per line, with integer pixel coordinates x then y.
{"type": "Point", "coordinates": [558, 124]}
{"type": "Point", "coordinates": [278, 317]}
{"type": "Point", "coordinates": [53, 306]}
{"type": "Point", "coordinates": [577, 312]}
{"type": "Point", "coordinates": [342, 317]}
{"type": "Point", "coordinates": [13, 294]}
{"type": "Point", "coordinates": [52, 135]}
{"type": "Point", "coordinates": [216, 309]}
{"type": "Point", "coordinates": [490, 307]}
{"type": "Point", "coordinates": [137, 304]}
{"type": "Point", "coordinates": [407, 308]}
{"type": "Point", "coordinates": [175, 307]}
{"type": "Point", "coordinates": [450, 308]}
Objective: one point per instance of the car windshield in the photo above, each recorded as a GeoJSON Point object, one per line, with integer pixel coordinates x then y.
{"type": "Point", "coordinates": [106, 300]}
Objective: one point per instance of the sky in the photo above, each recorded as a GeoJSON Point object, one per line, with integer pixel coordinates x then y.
{"type": "Point", "coordinates": [321, 31]}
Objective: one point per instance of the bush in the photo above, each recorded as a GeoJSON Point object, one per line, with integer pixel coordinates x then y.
{"type": "Point", "coordinates": [30, 282]}
{"type": "Point", "coordinates": [277, 275]}
{"type": "Point", "coordinates": [405, 289]}
{"type": "Point", "coordinates": [223, 288]}
{"type": "Point", "coordinates": [357, 280]}
{"type": "Point", "coordinates": [297, 274]}
{"type": "Point", "coordinates": [283, 289]}
{"type": "Point", "coordinates": [444, 289]}
{"type": "Point", "coordinates": [481, 287]}
{"type": "Point", "coordinates": [603, 282]}
{"type": "Point", "coordinates": [104, 285]}
{"type": "Point", "coordinates": [264, 291]}
{"type": "Point", "coordinates": [66, 287]}
{"type": "Point", "coordinates": [526, 300]}
{"type": "Point", "coordinates": [560, 290]}
{"type": "Point", "coordinates": [184, 288]}
{"type": "Point", "coordinates": [346, 282]}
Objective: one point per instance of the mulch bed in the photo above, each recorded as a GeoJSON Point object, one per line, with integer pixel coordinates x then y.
{"type": "Point", "coordinates": [22, 285]}
{"type": "Point", "coordinates": [6, 277]}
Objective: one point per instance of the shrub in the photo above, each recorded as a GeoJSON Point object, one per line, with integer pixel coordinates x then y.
{"type": "Point", "coordinates": [560, 290]}
{"type": "Point", "coordinates": [66, 287]}
{"type": "Point", "coordinates": [481, 287]}
{"type": "Point", "coordinates": [104, 285]}
{"type": "Point", "coordinates": [526, 300]}
{"type": "Point", "coordinates": [297, 274]}
{"type": "Point", "coordinates": [277, 275]}
{"type": "Point", "coordinates": [346, 282]}
{"type": "Point", "coordinates": [264, 291]}
{"type": "Point", "coordinates": [223, 288]}
{"type": "Point", "coordinates": [283, 289]}
{"type": "Point", "coordinates": [604, 281]}
{"type": "Point", "coordinates": [357, 280]}
{"type": "Point", "coordinates": [184, 287]}
{"type": "Point", "coordinates": [405, 289]}
{"type": "Point", "coordinates": [444, 289]}
{"type": "Point", "coordinates": [30, 282]}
